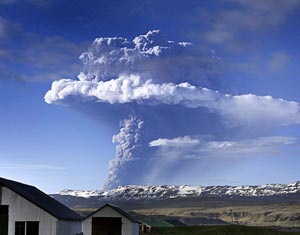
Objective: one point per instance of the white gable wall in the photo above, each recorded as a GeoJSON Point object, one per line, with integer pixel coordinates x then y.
{"type": "Point", "coordinates": [128, 227]}
{"type": "Point", "coordinates": [65, 227]}
{"type": "Point", "coordinates": [21, 209]}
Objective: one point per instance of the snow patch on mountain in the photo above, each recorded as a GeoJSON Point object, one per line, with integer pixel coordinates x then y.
{"type": "Point", "coordinates": [138, 192]}
{"type": "Point", "coordinates": [80, 193]}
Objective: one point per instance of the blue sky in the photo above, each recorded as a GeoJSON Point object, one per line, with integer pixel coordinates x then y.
{"type": "Point", "coordinates": [239, 47]}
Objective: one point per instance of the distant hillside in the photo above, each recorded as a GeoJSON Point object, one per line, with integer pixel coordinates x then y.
{"type": "Point", "coordinates": [266, 205]}
{"type": "Point", "coordinates": [134, 193]}
{"type": "Point", "coordinates": [222, 230]}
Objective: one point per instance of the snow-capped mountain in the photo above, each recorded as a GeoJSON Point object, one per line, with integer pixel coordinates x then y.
{"type": "Point", "coordinates": [136, 192]}
{"type": "Point", "coordinates": [256, 205]}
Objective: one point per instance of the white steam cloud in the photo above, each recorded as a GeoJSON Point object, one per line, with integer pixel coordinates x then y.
{"type": "Point", "coordinates": [237, 110]}
{"type": "Point", "coordinates": [163, 83]}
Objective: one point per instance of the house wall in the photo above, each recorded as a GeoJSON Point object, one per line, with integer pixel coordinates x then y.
{"type": "Point", "coordinates": [135, 228]}
{"type": "Point", "coordinates": [65, 227]}
{"type": "Point", "coordinates": [0, 195]}
{"type": "Point", "coordinates": [128, 228]}
{"type": "Point", "coordinates": [21, 209]}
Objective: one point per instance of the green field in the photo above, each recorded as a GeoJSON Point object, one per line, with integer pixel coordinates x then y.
{"type": "Point", "coordinates": [219, 230]}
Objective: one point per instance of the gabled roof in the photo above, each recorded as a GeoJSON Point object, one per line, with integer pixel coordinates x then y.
{"type": "Point", "coordinates": [41, 200]}
{"type": "Point", "coordinates": [175, 222]}
{"type": "Point", "coordinates": [117, 209]}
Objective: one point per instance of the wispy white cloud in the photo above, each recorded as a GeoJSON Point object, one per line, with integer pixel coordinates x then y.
{"type": "Point", "coordinates": [35, 58]}
{"type": "Point", "coordinates": [7, 29]}
{"type": "Point", "coordinates": [239, 148]}
{"type": "Point", "coordinates": [278, 61]}
{"type": "Point", "coordinates": [248, 16]}
{"type": "Point", "coordinates": [177, 142]}
{"type": "Point", "coordinates": [42, 3]}
{"type": "Point", "coordinates": [259, 64]}
{"type": "Point", "coordinates": [7, 1]}
{"type": "Point", "coordinates": [17, 166]}
{"type": "Point", "coordinates": [240, 31]}
{"type": "Point", "coordinates": [176, 160]}
{"type": "Point", "coordinates": [249, 147]}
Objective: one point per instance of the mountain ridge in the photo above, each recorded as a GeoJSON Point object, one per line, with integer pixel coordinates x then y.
{"type": "Point", "coordinates": [260, 205]}
{"type": "Point", "coordinates": [160, 192]}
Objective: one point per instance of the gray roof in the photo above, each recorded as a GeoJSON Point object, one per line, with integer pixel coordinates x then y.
{"type": "Point", "coordinates": [117, 209]}
{"type": "Point", "coordinates": [175, 222]}
{"type": "Point", "coordinates": [41, 200]}
{"type": "Point", "coordinates": [157, 223]}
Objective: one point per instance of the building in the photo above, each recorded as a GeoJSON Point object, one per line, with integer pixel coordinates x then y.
{"type": "Point", "coordinates": [175, 222]}
{"type": "Point", "coordinates": [110, 220]}
{"type": "Point", "coordinates": [25, 210]}
{"type": "Point", "coordinates": [147, 225]}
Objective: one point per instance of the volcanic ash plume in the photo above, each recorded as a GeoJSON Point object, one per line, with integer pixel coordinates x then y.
{"type": "Point", "coordinates": [164, 93]}
{"type": "Point", "coordinates": [128, 152]}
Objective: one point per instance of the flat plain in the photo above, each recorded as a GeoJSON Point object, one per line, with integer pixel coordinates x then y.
{"type": "Point", "coordinates": [233, 212]}
{"type": "Point", "coordinates": [220, 230]}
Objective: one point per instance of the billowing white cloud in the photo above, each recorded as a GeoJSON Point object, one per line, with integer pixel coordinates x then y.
{"type": "Point", "coordinates": [109, 57]}
{"type": "Point", "coordinates": [151, 56]}
{"type": "Point", "coordinates": [251, 109]}
{"type": "Point", "coordinates": [236, 110]}
{"type": "Point", "coordinates": [158, 88]}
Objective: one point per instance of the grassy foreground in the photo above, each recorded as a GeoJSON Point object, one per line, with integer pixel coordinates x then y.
{"type": "Point", "coordinates": [219, 230]}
